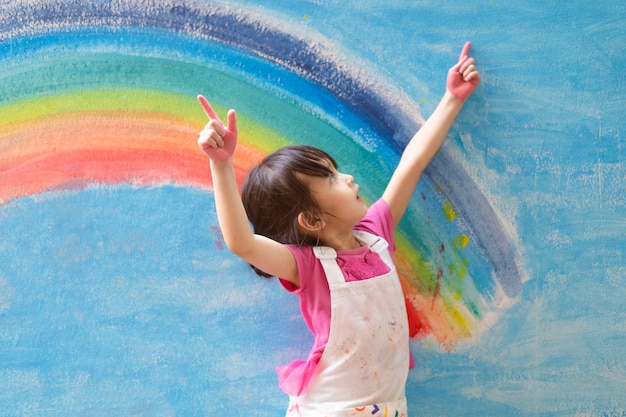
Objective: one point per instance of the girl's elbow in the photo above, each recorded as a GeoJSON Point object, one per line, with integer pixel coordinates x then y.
{"type": "Point", "coordinates": [234, 246]}
{"type": "Point", "coordinates": [238, 247]}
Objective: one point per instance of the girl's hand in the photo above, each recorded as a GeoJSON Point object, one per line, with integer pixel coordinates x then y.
{"type": "Point", "coordinates": [216, 140]}
{"type": "Point", "coordinates": [463, 77]}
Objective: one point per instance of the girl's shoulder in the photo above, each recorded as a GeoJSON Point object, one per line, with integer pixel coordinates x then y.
{"type": "Point", "coordinates": [307, 264]}
{"type": "Point", "coordinates": [378, 221]}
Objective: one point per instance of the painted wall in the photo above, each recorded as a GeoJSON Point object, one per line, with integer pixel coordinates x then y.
{"type": "Point", "coordinates": [117, 296]}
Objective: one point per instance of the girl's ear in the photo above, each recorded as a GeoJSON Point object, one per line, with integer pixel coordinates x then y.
{"type": "Point", "coordinates": [310, 222]}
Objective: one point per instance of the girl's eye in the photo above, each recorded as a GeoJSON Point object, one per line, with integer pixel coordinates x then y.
{"type": "Point", "coordinates": [332, 178]}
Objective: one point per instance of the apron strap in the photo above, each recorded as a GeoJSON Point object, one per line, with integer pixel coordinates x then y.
{"type": "Point", "coordinates": [328, 258]}
{"type": "Point", "coordinates": [377, 244]}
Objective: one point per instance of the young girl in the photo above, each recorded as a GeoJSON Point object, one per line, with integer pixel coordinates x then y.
{"type": "Point", "coordinates": [314, 232]}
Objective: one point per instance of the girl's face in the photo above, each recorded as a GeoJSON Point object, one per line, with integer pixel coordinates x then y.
{"type": "Point", "coordinates": [338, 198]}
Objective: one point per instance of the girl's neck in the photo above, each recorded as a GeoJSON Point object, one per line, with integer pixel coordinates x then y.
{"type": "Point", "coordinates": [342, 242]}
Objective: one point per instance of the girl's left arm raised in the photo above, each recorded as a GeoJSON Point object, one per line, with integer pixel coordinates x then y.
{"type": "Point", "coordinates": [462, 81]}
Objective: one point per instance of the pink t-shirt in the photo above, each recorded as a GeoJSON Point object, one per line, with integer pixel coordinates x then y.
{"type": "Point", "coordinates": [314, 294]}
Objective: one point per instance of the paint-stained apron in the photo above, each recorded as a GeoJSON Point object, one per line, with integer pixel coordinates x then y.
{"type": "Point", "coordinates": [365, 364]}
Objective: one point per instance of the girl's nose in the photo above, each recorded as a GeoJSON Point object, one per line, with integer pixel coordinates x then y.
{"type": "Point", "coordinates": [349, 178]}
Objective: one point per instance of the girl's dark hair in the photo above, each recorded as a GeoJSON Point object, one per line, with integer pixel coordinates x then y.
{"type": "Point", "coordinates": [274, 195]}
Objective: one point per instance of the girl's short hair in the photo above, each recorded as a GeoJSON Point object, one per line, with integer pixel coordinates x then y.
{"type": "Point", "coordinates": [273, 193]}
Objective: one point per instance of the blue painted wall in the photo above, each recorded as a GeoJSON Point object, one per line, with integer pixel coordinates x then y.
{"type": "Point", "coordinates": [119, 299]}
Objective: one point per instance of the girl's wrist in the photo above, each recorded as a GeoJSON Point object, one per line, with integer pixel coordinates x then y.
{"type": "Point", "coordinates": [222, 164]}
{"type": "Point", "coordinates": [450, 98]}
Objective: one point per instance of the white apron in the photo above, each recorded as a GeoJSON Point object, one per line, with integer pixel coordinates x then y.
{"type": "Point", "coordinates": [365, 364]}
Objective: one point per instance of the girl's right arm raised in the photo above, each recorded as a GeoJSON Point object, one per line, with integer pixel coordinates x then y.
{"type": "Point", "coordinates": [219, 142]}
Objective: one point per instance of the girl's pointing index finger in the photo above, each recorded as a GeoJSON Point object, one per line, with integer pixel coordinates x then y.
{"type": "Point", "coordinates": [465, 51]}
{"type": "Point", "coordinates": [206, 106]}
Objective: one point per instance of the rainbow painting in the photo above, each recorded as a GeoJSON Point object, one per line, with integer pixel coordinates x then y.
{"type": "Point", "coordinates": [111, 246]}
{"type": "Point", "coordinates": [126, 113]}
